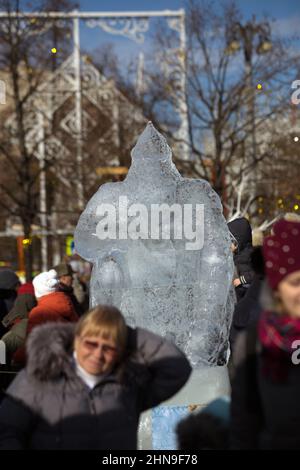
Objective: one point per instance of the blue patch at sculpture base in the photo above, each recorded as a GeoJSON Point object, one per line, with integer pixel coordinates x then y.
{"type": "Point", "coordinates": [164, 422]}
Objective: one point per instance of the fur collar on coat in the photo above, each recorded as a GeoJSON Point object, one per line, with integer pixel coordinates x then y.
{"type": "Point", "coordinates": [49, 351]}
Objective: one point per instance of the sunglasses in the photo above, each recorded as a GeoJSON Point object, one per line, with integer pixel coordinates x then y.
{"type": "Point", "coordinates": [92, 346]}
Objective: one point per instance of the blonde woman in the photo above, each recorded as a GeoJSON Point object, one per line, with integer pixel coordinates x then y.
{"type": "Point", "coordinates": [84, 387]}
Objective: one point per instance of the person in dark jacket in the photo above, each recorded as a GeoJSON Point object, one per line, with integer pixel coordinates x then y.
{"type": "Point", "coordinates": [247, 310]}
{"type": "Point", "coordinates": [265, 411]}
{"type": "Point", "coordinates": [17, 319]}
{"type": "Point", "coordinates": [65, 275]}
{"type": "Point", "coordinates": [84, 387]}
{"type": "Point", "coordinates": [9, 283]}
{"type": "Point", "coordinates": [242, 249]}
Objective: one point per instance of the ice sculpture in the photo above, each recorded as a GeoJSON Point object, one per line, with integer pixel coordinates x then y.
{"type": "Point", "coordinates": [165, 271]}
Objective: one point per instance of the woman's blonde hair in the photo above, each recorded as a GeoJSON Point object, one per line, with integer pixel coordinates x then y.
{"type": "Point", "coordinates": [104, 321]}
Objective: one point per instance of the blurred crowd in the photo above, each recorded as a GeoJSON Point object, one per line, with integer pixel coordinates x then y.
{"type": "Point", "coordinates": [85, 376]}
{"type": "Point", "coordinates": [58, 295]}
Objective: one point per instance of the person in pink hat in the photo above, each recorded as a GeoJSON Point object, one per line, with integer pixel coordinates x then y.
{"type": "Point", "coordinates": [265, 410]}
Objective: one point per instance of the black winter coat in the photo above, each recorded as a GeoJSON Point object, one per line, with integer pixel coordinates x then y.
{"type": "Point", "coordinates": [49, 407]}
{"type": "Point", "coordinates": [242, 261]}
{"type": "Point", "coordinates": [247, 310]}
{"type": "Point", "coordinates": [242, 232]}
{"type": "Point", "coordinates": [264, 414]}
{"type": "Point", "coordinates": [7, 300]}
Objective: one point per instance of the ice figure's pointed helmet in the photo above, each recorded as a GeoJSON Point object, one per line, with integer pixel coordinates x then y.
{"type": "Point", "coordinates": [151, 144]}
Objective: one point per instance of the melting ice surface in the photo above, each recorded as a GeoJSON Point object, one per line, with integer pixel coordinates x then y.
{"type": "Point", "coordinates": [159, 284]}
